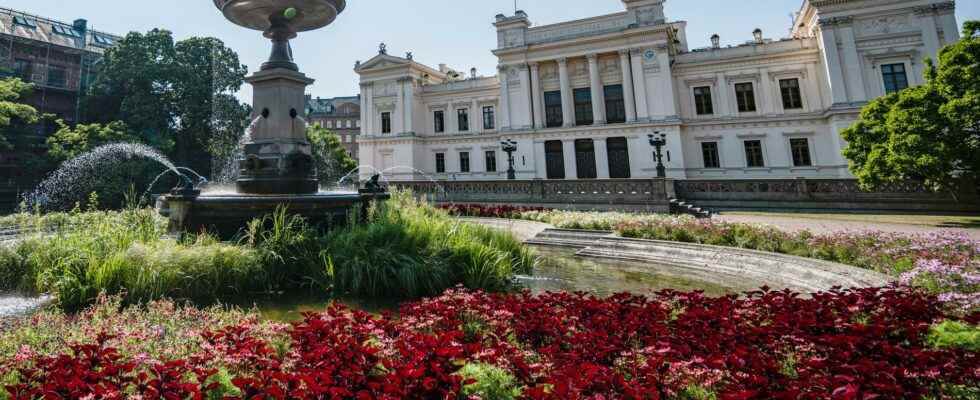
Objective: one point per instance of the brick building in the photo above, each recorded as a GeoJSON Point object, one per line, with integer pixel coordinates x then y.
{"type": "Point", "coordinates": [342, 115]}
{"type": "Point", "coordinates": [58, 58]}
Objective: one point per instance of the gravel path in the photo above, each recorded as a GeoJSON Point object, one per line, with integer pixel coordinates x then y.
{"type": "Point", "coordinates": [789, 223]}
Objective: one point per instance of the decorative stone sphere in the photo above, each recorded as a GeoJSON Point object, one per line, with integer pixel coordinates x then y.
{"type": "Point", "coordinates": [299, 15]}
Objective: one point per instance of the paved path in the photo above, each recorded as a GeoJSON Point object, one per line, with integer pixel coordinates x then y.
{"type": "Point", "coordinates": [814, 225]}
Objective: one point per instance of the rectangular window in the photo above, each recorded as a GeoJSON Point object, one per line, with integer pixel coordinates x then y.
{"type": "Point", "coordinates": [464, 119]}
{"type": "Point", "coordinates": [709, 152]}
{"type": "Point", "coordinates": [745, 94]}
{"type": "Point", "coordinates": [753, 154]}
{"type": "Point", "coordinates": [24, 21]}
{"type": "Point", "coordinates": [23, 69]}
{"type": "Point", "coordinates": [554, 159]}
{"type": "Point", "coordinates": [439, 119]}
{"type": "Point", "coordinates": [386, 122]}
{"type": "Point", "coordinates": [800, 148]}
{"type": "Point", "coordinates": [57, 76]}
{"type": "Point", "coordinates": [491, 159]}
{"type": "Point", "coordinates": [615, 104]}
{"type": "Point", "coordinates": [489, 120]}
{"type": "Point", "coordinates": [585, 158]}
{"type": "Point", "coordinates": [790, 89]}
{"type": "Point", "coordinates": [552, 108]}
{"type": "Point", "coordinates": [895, 77]}
{"type": "Point", "coordinates": [464, 161]}
{"type": "Point", "coordinates": [702, 100]}
{"type": "Point", "coordinates": [103, 40]}
{"type": "Point", "coordinates": [440, 163]}
{"type": "Point", "coordinates": [618, 156]}
{"type": "Point", "coordinates": [64, 30]}
{"type": "Point", "coordinates": [583, 106]}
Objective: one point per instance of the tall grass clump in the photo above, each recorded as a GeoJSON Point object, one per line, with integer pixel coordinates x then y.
{"type": "Point", "coordinates": [409, 249]}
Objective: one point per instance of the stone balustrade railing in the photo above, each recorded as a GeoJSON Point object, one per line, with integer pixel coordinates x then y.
{"type": "Point", "coordinates": [648, 193]}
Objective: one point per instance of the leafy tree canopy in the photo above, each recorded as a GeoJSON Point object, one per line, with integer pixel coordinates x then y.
{"type": "Point", "coordinates": [929, 133]}
{"type": "Point", "coordinates": [68, 142]}
{"type": "Point", "coordinates": [12, 91]}
{"type": "Point", "coordinates": [177, 95]}
{"type": "Point", "coordinates": [332, 160]}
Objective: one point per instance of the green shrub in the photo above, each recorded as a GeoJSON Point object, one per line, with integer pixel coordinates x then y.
{"type": "Point", "coordinates": [952, 334]}
{"type": "Point", "coordinates": [491, 382]}
{"type": "Point", "coordinates": [410, 249]}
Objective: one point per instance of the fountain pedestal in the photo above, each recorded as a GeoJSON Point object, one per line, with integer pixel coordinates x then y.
{"type": "Point", "coordinates": [278, 159]}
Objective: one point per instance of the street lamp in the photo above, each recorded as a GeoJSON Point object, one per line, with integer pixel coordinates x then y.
{"type": "Point", "coordinates": [659, 140]}
{"type": "Point", "coordinates": [509, 147]}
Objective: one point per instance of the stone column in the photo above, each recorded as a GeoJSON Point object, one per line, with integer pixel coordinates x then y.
{"type": "Point", "coordinates": [670, 98]}
{"type": "Point", "coordinates": [367, 112]}
{"type": "Point", "coordinates": [450, 119]}
{"type": "Point", "coordinates": [601, 158]}
{"type": "Point", "coordinates": [598, 95]}
{"type": "Point", "coordinates": [947, 20]}
{"type": "Point", "coordinates": [537, 96]}
{"type": "Point", "coordinates": [476, 117]}
{"type": "Point", "coordinates": [398, 117]}
{"type": "Point", "coordinates": [567, 99]}
{"type": "Point", "coordinates": [723, 96]}
{"type": "Point", "coordinates": [568, 151]}
{"type": "Point", "coordinates": [504, 99]}
{"type": "Point", "coordinates": [409, 105]}
{"type": "Point", "coordinates": [814, 99]}
{"type": "Point", "coordinates": [640, 84]}
{"type": "Point", "coordinates": [835, 73]}
{"type": "Point", "coordinates": [852, 64]}
{"type": "Point", "coordinates": [629, 99]}
{"type": "Point", "coordinates": [769, 97]}
{"type": "Point", "coordinates": [526, 119]}
{"type": "Point", "coordinates": [540, 161]}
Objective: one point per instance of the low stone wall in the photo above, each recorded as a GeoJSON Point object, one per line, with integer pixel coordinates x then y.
{"type": "Point", "coordinates": [820, 194]}
{"type": "Point", "coordinates": [640, 194]}
{"type": "Point", "coordinates": [720, 265]}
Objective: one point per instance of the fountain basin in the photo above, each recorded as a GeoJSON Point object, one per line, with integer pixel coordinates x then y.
{"type": "Point", "coordinates": [255, 14]}
{"type": "Point", "coordinates": [227, 214]}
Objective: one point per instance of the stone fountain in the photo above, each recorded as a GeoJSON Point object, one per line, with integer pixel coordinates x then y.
{"type": "Point", "coordinates": [278, 166]}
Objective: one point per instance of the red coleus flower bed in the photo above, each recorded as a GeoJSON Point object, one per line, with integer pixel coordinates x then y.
{"type": "Point", "coordinates": [849, 344]}
{"type": "Point", "coordinates": [488, 211]}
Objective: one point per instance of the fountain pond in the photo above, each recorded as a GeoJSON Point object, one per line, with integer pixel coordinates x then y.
{"type": "Point", "coordinates": [558, 270]}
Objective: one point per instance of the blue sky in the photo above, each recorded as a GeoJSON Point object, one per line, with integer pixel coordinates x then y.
{"type": "Point", "coordinates": [455, 32]}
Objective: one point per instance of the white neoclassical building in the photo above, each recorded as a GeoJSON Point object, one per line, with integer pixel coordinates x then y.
{"type": "Point", "coordinates": [581, 97]}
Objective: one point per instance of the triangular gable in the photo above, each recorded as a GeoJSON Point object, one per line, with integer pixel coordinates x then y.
{"type": "Point", "coordinates": [382, 61]}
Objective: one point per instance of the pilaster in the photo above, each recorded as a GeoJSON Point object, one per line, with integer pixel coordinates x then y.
{"type": "Point", "coordinates": [640, 84]}
{"type": "Point", "coordinates": [832, 59]}
{"type": "Point", "coordinates": [505, 123]}
{"type": "Point", "coordinates": [567, 100]}
{"type": "Point", "coordinates": [629, 97]}
{"type": "Point", "coordinates": [601, 158]}
{"type": "Point", "coordinates": [598, 95]}
{"type": "Point", "coordinates": [537, 95]}
{"type": "Point", "coordinates": [568, 151]}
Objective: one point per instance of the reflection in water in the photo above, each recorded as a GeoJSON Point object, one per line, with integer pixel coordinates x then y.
{"type": "Point", "coordinates": [559, 270]}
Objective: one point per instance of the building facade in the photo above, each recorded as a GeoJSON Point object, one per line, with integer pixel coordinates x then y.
{"type": "Point", "coordinates": [580, 98]}
{"type": "Point", "coordinates": [341, 115]}
{"type": "Point", "coordinates": [58, 59]}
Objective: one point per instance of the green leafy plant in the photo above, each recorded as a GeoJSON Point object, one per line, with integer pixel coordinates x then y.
{"type": "Point", "coordinates": [489, 382]}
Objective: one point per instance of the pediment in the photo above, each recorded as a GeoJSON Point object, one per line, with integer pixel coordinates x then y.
{"type": "Point", "coordinates": [382, 61]}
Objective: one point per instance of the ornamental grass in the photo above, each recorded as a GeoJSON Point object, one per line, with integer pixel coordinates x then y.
{"type": "Point", "coordinates": [884, 343]}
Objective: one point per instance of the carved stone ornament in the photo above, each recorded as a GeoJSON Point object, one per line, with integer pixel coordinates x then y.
{"type": "Point", "coordinates": [886, 25]}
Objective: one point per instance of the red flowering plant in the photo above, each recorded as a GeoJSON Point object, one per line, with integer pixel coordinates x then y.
{"type": "Point", "coordinates": [842, 344]}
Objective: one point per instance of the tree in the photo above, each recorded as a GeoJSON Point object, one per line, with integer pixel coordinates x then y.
{"type": "Point", "coordinates": [929, 133]}
{"type": "Point", "coordinates": [332, 160]}
{"type": "Point", "coordinates": [11, 111]}
{"type": "Point", "coordinates": [68, 142]}
{"type": "Point", "coordinates": [177, 96]}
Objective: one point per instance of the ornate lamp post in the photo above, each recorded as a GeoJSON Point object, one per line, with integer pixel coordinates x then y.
{"type": "Point", "coordinates": [659, 140]}
{"type": "Point", "coordinates": [509, 147]}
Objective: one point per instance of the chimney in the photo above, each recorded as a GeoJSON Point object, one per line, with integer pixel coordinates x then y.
{"type": "Point", "coordinates": [80, 25]}
{"type": "Point", "coordinates": [715, 41]}
{"type": "Point", "coordinates": [443, 68]}
{"type": "Point", "coordinates": [757, 34]}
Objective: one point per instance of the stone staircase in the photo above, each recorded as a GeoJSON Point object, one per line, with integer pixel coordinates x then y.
{"type": "Point", "coordinates": [678, 206]}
